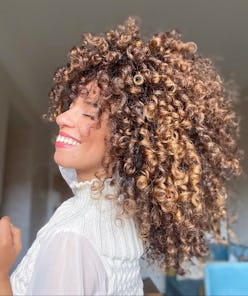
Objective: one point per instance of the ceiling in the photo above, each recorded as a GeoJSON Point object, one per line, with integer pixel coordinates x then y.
{"type": "Point", "coordinates": [35, 36]}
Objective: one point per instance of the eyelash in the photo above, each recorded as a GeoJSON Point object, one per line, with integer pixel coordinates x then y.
{"type": "Point", "coordinates": [91, 117]}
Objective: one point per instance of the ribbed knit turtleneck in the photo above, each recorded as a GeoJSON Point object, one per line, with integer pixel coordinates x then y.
{"type": "Point", "coordinates": [92, 216]}
{"type": "Point", "coordinates": [85, 197]}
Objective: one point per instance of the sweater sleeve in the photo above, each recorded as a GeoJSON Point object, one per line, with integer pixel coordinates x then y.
{"type": "Point", "coordinates": [68, 265]}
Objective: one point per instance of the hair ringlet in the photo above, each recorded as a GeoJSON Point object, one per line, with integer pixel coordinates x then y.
{"type": "Point", "coordinates": [170, 86]}
{"type": "Point", "coordinates": [138, 79]}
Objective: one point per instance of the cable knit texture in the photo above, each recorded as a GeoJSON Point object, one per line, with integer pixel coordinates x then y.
{"type": "Point", "coordinates": [117, 244]}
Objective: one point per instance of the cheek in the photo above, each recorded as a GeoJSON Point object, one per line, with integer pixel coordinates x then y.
{"type": "Point", "coordinates": [95, 143]}
{"type": "Point", "coordinates": [84, 130]}
{"type": "Point", "coordinates": [93, 138]}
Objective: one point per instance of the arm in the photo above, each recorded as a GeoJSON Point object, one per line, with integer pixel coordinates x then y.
{"type": "Point", "coordinates": [10, 247]}
{"type": "Point", "coordinates": [5, 287]}
{"type": "Point", "coordinates": [68, 265]}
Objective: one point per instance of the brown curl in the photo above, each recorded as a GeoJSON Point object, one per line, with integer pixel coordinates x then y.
{"type": "Point", "coordinates": [172, 146]}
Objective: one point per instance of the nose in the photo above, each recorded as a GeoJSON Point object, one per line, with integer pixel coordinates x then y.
{"type": "Point", "coordinates": [64, 119]}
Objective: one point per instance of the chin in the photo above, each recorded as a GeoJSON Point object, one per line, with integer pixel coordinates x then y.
{"type": "Point", "coordinates": [62, 161]}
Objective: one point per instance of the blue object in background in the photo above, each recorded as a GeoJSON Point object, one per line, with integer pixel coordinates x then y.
{"type": "Point", "coordinates": [183, 287]}
{"type": "Point", "coordinates": [238, 251]}
{"type": "Point", "coordinates": [195, 287]}
{"type": "Point", "coordinates": [218, 252]}
{"type": "Point", "coordinates": [226, 278]}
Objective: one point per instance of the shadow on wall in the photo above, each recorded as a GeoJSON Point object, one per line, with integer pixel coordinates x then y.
{"type": "Point", "coordinates": [17, 173]}
{"type": "Point", "coordinates": [25, 185]}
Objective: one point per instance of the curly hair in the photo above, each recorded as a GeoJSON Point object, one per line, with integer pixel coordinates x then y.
{"type": "Point", "coordinates": [172, 145]}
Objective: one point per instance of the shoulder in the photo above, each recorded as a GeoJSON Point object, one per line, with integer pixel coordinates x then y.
{"type": "Point", "coordinates": [61, 216]}
{"type": "Point", "coordinates": [67, 261]}
{"type": "Point", "coordinates": [69, 239]}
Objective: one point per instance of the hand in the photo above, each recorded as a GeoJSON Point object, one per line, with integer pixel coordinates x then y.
{"type": "Point", "coordinates": [10, 245]}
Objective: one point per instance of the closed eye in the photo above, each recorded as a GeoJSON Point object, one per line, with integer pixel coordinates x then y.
{"type": "Point", "coordinates": [90, 116]}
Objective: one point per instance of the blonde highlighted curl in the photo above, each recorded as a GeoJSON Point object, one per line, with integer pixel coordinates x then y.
{"type": "Point", "coordinates": [172, 144]}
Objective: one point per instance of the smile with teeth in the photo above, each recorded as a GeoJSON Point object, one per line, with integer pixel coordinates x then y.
{"type": "Point", "coordinates": [66, 140]}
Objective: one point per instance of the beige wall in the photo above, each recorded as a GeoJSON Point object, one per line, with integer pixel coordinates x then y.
{"type": "Point", "coordinates": [239, 188]}
{"type": "Point", "coordinates": [3, 132]}
{"type": "Point", "coordinates": [17, 182]}
{"type": "Point", "coordinates": [24, 152]}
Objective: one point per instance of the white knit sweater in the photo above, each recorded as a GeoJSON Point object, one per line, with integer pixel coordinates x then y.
{"type": "Point", "coordinates": [82, 250]}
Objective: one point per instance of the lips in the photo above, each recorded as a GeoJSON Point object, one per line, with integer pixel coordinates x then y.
{"type": "Point", "coordinates": [63, 145]}
{"type": "Point", "coordinates": [61, 133]}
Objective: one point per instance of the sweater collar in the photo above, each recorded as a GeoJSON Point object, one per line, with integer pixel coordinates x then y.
{"type": "Point", "coordinates": [86, 195]}
{"type": "Point", "coordinates": [84, 191]}
{"type": "Point", "coordinates": [90, 185]}
{"type": "Point", "coordinates": [70, 177]}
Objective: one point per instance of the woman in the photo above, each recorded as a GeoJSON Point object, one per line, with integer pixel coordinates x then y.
{"type": "Point", "coordinates": [146, 142]}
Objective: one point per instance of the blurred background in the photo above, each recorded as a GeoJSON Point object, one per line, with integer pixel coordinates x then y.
{"type": "Point", "coordinates": [35, 37]}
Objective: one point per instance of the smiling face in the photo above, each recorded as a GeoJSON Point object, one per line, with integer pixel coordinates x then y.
{"type": "Point", "coordinates": [80, 143]}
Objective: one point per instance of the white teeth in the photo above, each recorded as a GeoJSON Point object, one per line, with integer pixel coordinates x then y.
{"type": "Point", "coordinates": [66, 140]}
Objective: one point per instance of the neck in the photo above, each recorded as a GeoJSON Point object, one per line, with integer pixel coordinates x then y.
{"type": "Point", "coordinates": [87, 176]}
